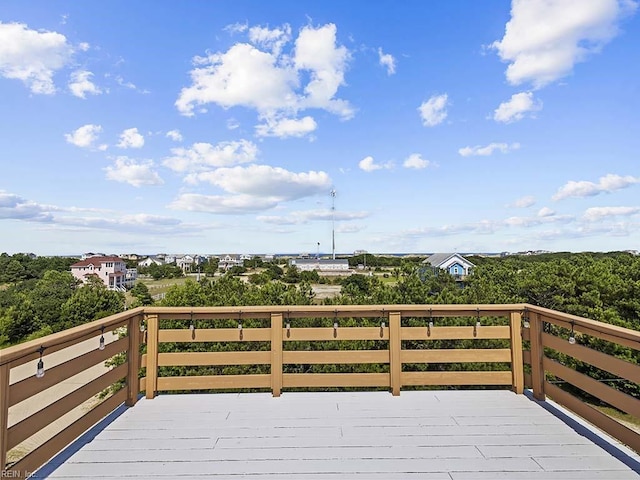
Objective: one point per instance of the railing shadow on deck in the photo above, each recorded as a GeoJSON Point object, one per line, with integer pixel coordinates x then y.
{"type": "Point", "coordinates": [581, 429]}
{"type": "Point", "coordinates": [275, 347]}
{"type": "Point", "coordinates": [52, 465]}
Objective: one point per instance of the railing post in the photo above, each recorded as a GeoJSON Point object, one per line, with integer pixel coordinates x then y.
{"type": "Point", "coordinates": [395, 345]}
{"type": "Point", "coordinates": [133, 360]}
{"type": "Point", "coordinates": [537, 354]}
{"type": "Point", "coordinates": [152, 356]}
{"type": "Point", "coordinates": [517, 364]}
{"type": "Point", "coordinates": [276, 354]}
{"type": "Point", "coordinates": [4, 414]}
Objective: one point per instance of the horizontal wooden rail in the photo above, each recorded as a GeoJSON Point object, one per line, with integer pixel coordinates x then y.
{"type": "Point", "coordinates": [328, 380]}
{"type": "Point", "coordinates": [36, 422]}
{"type": "Point", "coordinates": [613, 397]}
{"type": "Point", "coordinates": [456, 333]}
{"type": "Point", "coordinates": [336, 356]}
{"type": "Point", "coordinates": [213, 358]}
{"type": "Point", "coordinates": [456, 378]}
{"type": "Point", "coordinates": [46, 451]}
{"type": "Point", "coordinates": [456, 355]}
{"type": "Point", "coordinates": [211, 382]}
{"type": "Point", "coordinates": [215, 335]}
{"type": "Point", "coordinates": [597, 418]}
{"type": "Point", "coordinates": [609, 363]}
{"type": "Point", "coordinates": [31, 385]}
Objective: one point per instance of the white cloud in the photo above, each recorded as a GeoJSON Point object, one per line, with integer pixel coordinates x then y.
{"type": "Point", "coordinates": [134, 173]}
{"type": "Point", "coordinates": [302, 217]}
{"type": "Point", "coordinates": [487, 150]}
{"type": "Point", "coordinates": [232, 124]}
{"type": "Point", "coordinates": [202, 156]}
{"type": "Point", "coordinates": [271, 82]}
{"type": "Point", "coordinates": [286, 127]}
{"type": "Point", "coordinates": [85, 136]}
{"type": "Point", "coordinates": [524, 202]}
{"type": "Point", "coordinates": [236, 28]}
{"type": "Point", "coordinates": [416, 161]}
{"type": "Point", "coordinates": [14, 207]}
{"type": "Point", "coordinates": [544, 39]}
{"type": "Point", "coordinates": [369, 165]}
{"type": "Point", "coordinates": [243, 76]}
{"type": "Point", "coordinates": [317, 52]}
{"type": "Point", "coordinates": [32, 56]}
{"type": "Point", "coordinates": [597, 213]}
{"type": "Point", "coordinates": [266, 181]}
{"type": "Point", "coordinates": [81, 84]}
{"type": "Point", "coordinates": [131, 138]}
{"type": "Point", "coordinates": [607, 184]}
{"type": "Point", "coordinates": [546, 212]}
{"type": "Point", "coordinates": [516, 107]}
{"type": "Point", "coordinates": [174, 135]}
{"type": "Point", "coordinates": [388, 61]}
{"type": "Point", "coordinates": [223, 205]}
{"type": "Point", "coordinates": [271, 39]}
{"type": "Point", "coordinates": [434, 110]}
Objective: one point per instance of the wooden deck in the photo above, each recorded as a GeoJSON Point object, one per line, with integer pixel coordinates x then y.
{"type": "Point", "coordinates": [429, 435]}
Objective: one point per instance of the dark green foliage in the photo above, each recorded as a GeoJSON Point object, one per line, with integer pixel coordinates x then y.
{"type": "Point", "coordinates": [141, 294]}
{"type": "Point", "coordinates": [19, 267]}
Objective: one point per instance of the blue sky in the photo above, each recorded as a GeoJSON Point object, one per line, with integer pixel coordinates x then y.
{"type": "Point", "coordinates": [222, 127]}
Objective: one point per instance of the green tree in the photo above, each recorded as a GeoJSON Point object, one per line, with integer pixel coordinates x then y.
{"type": "Point", "coordinates": [91, 302]}
{"type": "Point", "coordinates": [141, 294]}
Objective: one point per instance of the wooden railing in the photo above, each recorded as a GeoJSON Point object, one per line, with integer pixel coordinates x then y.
{"type": "Point", "coordinates": [551, 348]}
{"type": "Point", "coordinates": [292, 347]}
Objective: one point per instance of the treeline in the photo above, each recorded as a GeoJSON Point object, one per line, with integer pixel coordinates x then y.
{"type": "Point", "coordinates": [19, 267]}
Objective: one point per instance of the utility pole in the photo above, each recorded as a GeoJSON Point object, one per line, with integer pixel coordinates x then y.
{"type": "Point", "coordinates": [333, 223]}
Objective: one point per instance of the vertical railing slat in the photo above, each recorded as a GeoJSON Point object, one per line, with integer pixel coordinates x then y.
{"type": "Point", "coordinates": [395, 345]}
{"type": "Point", "coordinates": [517, 365]}
{"type": "Point", "coordinates": [537, 354]}
{"type": "Point", "coordinates": [152, 356]}
{"type": "Point", "coordinates": [276, 354]}
{"type": "Point", "coordinates": [4, 414]}
{"type": "Point", "coordinates": [133, 360]}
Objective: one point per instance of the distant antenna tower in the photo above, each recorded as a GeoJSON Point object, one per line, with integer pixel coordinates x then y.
{"type": "Point", "coordinates": [333, 223]}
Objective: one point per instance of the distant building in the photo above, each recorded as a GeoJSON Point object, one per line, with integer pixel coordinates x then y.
{"type": "Point", "coordinates": [229, 261]}
{"type": "Point", "coordinates": [320, 264]}
{"type": "Point", "coordinates": [453, 263]}
{"type": "Point", "coordinates": [147, 262]}
{"type": "Point", "coordinates": [111, 271]}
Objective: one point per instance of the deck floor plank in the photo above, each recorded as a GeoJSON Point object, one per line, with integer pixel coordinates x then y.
{"type": "Point", "coordinates": [431, 435]}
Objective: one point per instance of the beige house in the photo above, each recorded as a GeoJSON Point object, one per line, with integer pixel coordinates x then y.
{"type": "Point", "coordinates": [111, 271]}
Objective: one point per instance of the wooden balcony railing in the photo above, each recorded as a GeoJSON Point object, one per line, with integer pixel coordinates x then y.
{"type": "Point", "coordinates": [283, 347]}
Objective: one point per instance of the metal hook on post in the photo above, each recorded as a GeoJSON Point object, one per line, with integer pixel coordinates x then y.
{"type": "Point", "coordinates": [382, 325]}
{"type": "Point", "coordinates": [240, 324]}
{"type": "Point", "coordinates": [477, 325]}
{"type": "Point", "coordinates": [572, 335]}
{"type": "Point", "coordinates": [525, 319]}
{"type": "Point", "coordinates": [288, 324]}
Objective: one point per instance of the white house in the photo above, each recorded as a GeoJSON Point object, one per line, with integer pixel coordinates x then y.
{"type": "Point", "coordinates": [320, 264]}
{"type": "Point", "coordinates": [454, 263]}
{"type": "Point", "coordinates": [229, 261]}
{"type": "Point", "coordinates": [185, 262]}
{"type": "Point", "coordinates": [111, 270]}
{"type": "Point", "coordinates": [147, 262]}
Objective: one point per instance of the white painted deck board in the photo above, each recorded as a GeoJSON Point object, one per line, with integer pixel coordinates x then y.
{"type": "Point", "coordinates": [434, 435]}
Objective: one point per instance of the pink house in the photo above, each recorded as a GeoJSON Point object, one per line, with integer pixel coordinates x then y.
{"type": "Point", "coordinates": [112, 271]}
